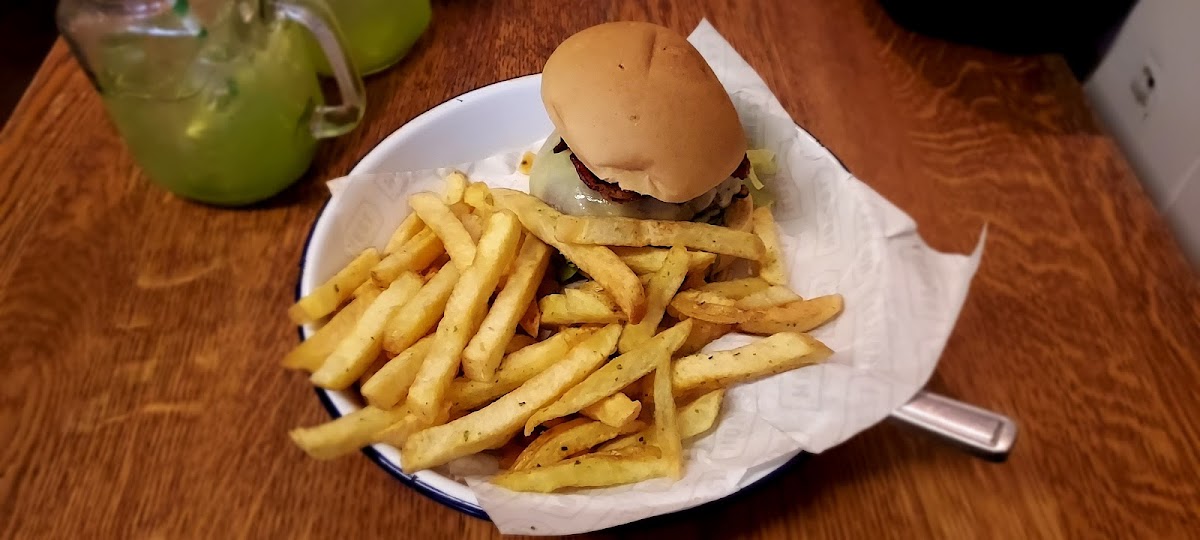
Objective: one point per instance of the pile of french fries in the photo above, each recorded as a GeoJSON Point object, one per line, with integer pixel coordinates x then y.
{"type": "Point", "coordinates": [461, 339]}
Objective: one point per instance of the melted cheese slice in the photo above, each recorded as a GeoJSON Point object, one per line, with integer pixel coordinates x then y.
{"type": "Point", "coordinates": [554, 180]}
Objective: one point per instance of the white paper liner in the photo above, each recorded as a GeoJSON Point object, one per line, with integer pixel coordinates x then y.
{"type": "Point", "coordinates": [902, 299]}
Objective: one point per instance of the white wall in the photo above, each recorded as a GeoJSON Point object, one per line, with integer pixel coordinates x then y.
{"type": "Point", "coordinates": [1162, 138]}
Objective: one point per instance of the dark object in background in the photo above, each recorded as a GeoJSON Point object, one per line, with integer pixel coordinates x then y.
{"type": "Point", "coordinates": [26, 33]}
{"type": "Point", "coordinates": [1080, 30]}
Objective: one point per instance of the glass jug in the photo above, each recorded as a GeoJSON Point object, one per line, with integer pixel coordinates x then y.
{"type": "Point", "coordinates": [217, 100]}
{"type": "Point", "coordinates": [379, 32]}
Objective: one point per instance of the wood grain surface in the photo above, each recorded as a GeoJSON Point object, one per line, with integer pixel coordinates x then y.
{"type": "Point", "coordinates": [141, 396]}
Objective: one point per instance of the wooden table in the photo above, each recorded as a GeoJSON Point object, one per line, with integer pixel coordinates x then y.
{"type": "Point", "coordinates": [142, 397]}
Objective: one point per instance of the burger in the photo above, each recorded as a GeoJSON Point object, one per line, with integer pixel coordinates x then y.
{"type": "Point", "coordinates": [643, 129]}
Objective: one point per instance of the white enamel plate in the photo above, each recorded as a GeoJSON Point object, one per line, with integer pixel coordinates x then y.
{"type": "Point", "coordinates": [475, 125]}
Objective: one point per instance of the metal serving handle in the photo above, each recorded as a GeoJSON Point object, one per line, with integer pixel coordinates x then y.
{"type": "Point", "coordinates": [982, 432]}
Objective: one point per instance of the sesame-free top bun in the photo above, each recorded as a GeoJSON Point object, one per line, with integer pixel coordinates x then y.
{"type": "Point", "coordinates": [640, 107]}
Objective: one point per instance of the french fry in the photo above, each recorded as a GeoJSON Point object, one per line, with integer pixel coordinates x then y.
{"type": "Point", "coordinates": [551, 433]}
{"type": "Point", "coordinates": [415, 256]}
{"type": "Point", "coordinates": [642, 260]}
{"type": "Point", "coordinates": [579, 306]}
{"type": "Point", "coordinates": [693, 419]}
{"type": "Point", "coordinates": [771, 266]}
{"type": "Point", "coordinates": [738, 217]}
{"type": "Point", "coordinates": [634, 392]}
{"type": "Point", "coordinates": [407, 229]}
{"type": "Point", "coordinates": [703, 333]}
{"type": "Point", "coordinates": [326, 298]}
{"type": "Point", "coordinates": [794, 317]}
{"type": "Point", "coordinates": [494, 424]}
{"type": "Point", "coordinates": [593, 288]}
{"type": "Point", "coordinates": [558, 444]}
{"type": "Point", "coordinates": [596, 261]}
{"type": "Point", "coordinates": [312, 352]}
{"type": "Point", "coordinates": [479, 197]}
{"type": "Point", "coordinates": [459, 209]}
{"type": "Point", "coordinates": [355, 353]}
{"type": "Point", "coordinates": [659, 292]}
{"type": "Point", "coordinates": [666, 426]}
{"type": "Point", "coordinates": [706, 306]}
{"type": "Point", "coordinates": [698, 270]}
{"type": "Point", "coordinates": [616, 410]}
{"type": "Point", "coordinates": [531, 320]}
{"type": "Point", "coordinates": [368, 287]}
{"type": "Point", "coordinates": [775, 295]}
{"type": "Point", "coordinates": [589, 470]}
{"type": "Point", "coordinates": [515, 369]}
{"type": "Point", "coordinates": [518, 342]}
{"type": "Point", "coordinates": [737, 288]}
{"type": "Point", "coordinates": [638, 452]}
{"type": "Point", "coordinates": [442, 221]}
{"type": "Point", "coordinates": [527, 361]}
{"type": "Point", "coordinates": [380, 360]}
{"type": "Point", "coordinates": [456, 187]}
{"type": "Point", "coordinates": [646, 260]}
{"type": "Point", "coordinates": [473, 224]}
{"type": "Point", "coordinates": [483, 353]}
{"type": "Point", "coordinates": [646, 385]}
{"type": "Point", "coordinates": [464, 311]}
{"type": "Point", "coordinates": [614, 376]}
{"type": "Point", "coordinates": [421, 313]}
{"type": "Point", "coordinates": [619, 231]}
{"type": "Point", "coordinates": [640, 439]}
{"type": "Point", "coordinates": [346, 434]}
{"type": "Point", "coordinates": [397, 433]}
{"type": "Point", "coordinates": [771, 355]}
{"type": "Point", "coordinates": [389, 385]}
{"type": "Point", "coordinates": [699, 416]}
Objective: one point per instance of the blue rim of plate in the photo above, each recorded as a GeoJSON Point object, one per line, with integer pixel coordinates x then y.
{"type": "Point", "coordinates": [475, 510]}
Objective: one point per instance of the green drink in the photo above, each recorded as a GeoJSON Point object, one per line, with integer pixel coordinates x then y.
{"type": "Point", "coordinates": [238, 136]}
{"type": "Point", "coordinates": [379, 32]}
{"type": "Point", "coordinates": [218, 102]}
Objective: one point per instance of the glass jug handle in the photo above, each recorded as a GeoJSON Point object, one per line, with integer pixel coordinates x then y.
{"type": "Point", "coordinates": [315, 16]}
